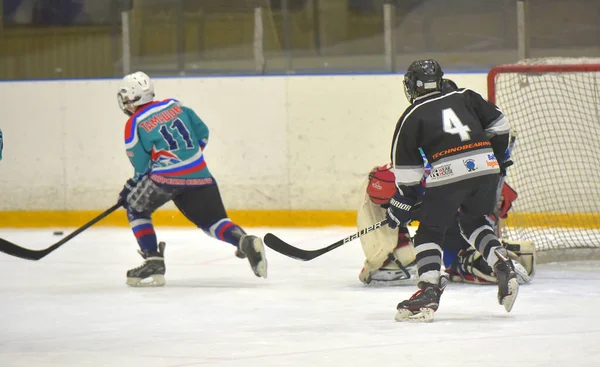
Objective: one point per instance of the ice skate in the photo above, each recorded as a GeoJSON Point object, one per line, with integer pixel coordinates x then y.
{"type": "Point", "coordinates": [393, 276]}
{"type": "Point", "coordinates": [252, 248]}
{"type": "Point", "coordinates": [508, 286]}
{"type": "Point", "coordinates": [240, 254]}
{"type": "Point", "coordinates": [423, 304]}
{"type": "Point", "coordinates": [152, 272]}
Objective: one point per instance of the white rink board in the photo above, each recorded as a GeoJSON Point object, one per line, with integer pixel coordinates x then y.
{"type": "Point", "coordinates": [297, 142]}
{"type": "Point", "coordinates": [72, 308]}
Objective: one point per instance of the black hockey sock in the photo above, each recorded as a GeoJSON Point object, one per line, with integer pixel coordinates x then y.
{"type": "Point", "coordinates": [428, 252]}
{"type": "Point", "coordinates": [484, 240]}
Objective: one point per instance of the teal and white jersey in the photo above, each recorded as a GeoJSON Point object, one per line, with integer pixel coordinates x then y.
{"type": "Point", "coordinates": [166, 140]}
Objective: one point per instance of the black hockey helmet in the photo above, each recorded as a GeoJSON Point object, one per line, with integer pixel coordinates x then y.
{"type": "Point", "coordinates": [448, 86]}
{"type": "Point", "coordinates": [422, 77]}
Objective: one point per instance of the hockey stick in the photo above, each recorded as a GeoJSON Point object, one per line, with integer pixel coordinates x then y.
{"type": "Point", "coordinates": [18, 251]}
{"type": "Point", "coordinates": [284, 248]}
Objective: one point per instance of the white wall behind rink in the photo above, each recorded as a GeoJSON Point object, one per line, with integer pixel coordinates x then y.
{"type": "Point", "coordinates": [297, 142]}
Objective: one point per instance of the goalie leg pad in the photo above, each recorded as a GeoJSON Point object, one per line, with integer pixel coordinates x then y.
{"type": "Point", "coordinates": [394, 277]}
{"type": "Point", "coordinates": [392, 271]}
{"type": "Point", "coordinates": [523, 254]}
{"type": "Point", "coordinates": [470, 267]}
{"type": "Point", "coordinates": [387, 250]}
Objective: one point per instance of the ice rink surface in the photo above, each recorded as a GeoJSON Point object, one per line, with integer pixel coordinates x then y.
{"type": "Point", "coordinates": [73, 308]}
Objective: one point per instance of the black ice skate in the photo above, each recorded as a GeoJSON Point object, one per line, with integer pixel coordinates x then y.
{"type": "Point", "coordinates": [252, 248]}
{"type": "Point", "coordinates": [153, 269]}
{"type": "Point", "coordinates": [422, 305]}
{"type": "Point", "coordinates": [508, 286]}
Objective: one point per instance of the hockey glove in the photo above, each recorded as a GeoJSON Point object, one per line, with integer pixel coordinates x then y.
{"type": "Point", "coordinates": [129, 185]}
{"type": "Point", "coordinates": [398, 213]}
{"type": "Point", "coordinates": [504, 165]}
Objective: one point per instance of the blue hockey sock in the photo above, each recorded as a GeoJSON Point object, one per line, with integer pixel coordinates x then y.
{"type": "Point", "coordinates": [226, 231]}
{"type": "Point", "coordinates": [449, 257]}
{"type": "Point", "coordinates": [144, 232]}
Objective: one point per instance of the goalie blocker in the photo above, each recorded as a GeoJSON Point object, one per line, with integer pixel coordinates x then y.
{"type": "Point", "coordinates": [390, 259]}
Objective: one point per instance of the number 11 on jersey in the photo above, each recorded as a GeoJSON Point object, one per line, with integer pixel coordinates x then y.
{"type": "Point", "coordinates": [178, 126]}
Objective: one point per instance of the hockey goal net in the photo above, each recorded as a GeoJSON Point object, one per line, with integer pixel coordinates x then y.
{"type": "Point", "coordinates": [553, 105]}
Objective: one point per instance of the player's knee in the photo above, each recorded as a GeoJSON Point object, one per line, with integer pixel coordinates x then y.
{"type": "Point", "coordinates": [468, 224]}
{"type": "Point", "coordinates": [430, 234]}
{"type": "Point", "coordinates": [211, 222]}
{"type": "Point", "coordinates": [133, 214]}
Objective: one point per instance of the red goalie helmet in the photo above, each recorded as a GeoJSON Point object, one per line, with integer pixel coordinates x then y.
{"type": "Point", "coordinates": [382, 185]}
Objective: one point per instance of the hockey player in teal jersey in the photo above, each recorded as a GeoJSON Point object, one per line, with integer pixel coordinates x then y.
{"type": "Point", "coordinates": [165, 142]}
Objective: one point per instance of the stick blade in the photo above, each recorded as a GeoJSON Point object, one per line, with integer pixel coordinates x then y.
{"type": "Point", "coordinates": [284, 248]}
{"type": "Point", "coordinates": [11, 249]}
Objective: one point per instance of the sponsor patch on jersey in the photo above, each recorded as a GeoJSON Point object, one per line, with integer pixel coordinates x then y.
{"type": "Point", "coordinates": [461, 148]}
{"type": "Point", "coordinates": [442, 171]}
{"type": "Point", "coordinates": [492, 161]}
{"type": "Point", "coordinates": [182, 181]}
{"type": "Point", "coordinates": [470, 164]}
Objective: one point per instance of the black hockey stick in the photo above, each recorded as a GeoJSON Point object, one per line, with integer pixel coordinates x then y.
{"type": "Point", "coordinates": [18, 251]}
{"type": "Point", "coordinates": [284, 248]}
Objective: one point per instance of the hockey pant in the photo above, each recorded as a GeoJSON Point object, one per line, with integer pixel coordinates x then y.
{"type": "Point", "coordinates": [201, 205]}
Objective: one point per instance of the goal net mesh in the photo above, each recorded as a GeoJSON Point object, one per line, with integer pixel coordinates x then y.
{"type": "Point", "coordinates": [553, 105]}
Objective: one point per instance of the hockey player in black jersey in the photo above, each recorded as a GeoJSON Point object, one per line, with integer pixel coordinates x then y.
{"type": "Point", "coordinates": [461, 134]}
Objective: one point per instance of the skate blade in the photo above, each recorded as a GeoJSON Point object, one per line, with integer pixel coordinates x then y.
{"type": "Point", "coordinates": [157, 280]}
{"type": "Point", "coordinates": [426, 315]}
{"type": "Point", "coordinates": [391, 283]}
{"type": "Point", "coordinates": [513, 289]}
{"type": "Point", "coordinates": [260, 269]}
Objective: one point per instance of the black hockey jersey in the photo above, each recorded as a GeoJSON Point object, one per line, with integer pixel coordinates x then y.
{"type": "Point", "coordinates": [458, 132]}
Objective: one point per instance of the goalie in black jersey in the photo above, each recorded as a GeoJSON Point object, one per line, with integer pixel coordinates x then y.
{"type": "Point", "coordinates": [460, 134]}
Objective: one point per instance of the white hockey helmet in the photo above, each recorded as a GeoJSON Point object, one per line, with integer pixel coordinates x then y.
{"type": "Point", "coordinates": [136, 89]}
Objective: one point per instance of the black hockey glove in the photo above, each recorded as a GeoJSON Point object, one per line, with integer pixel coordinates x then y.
{"type": "Point", "coordinates": [399, 211]}
{"type": "Point", "coordinates": [504, 165]}
{"type": "Point", "coordinates": [129, 185]}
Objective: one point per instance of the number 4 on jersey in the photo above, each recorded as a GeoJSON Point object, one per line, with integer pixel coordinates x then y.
{"type": "Point", "coordinates": [453, 125]}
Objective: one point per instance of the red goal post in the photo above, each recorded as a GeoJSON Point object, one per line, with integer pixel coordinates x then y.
{"type": "Point", "coordinates": [553, 106]}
